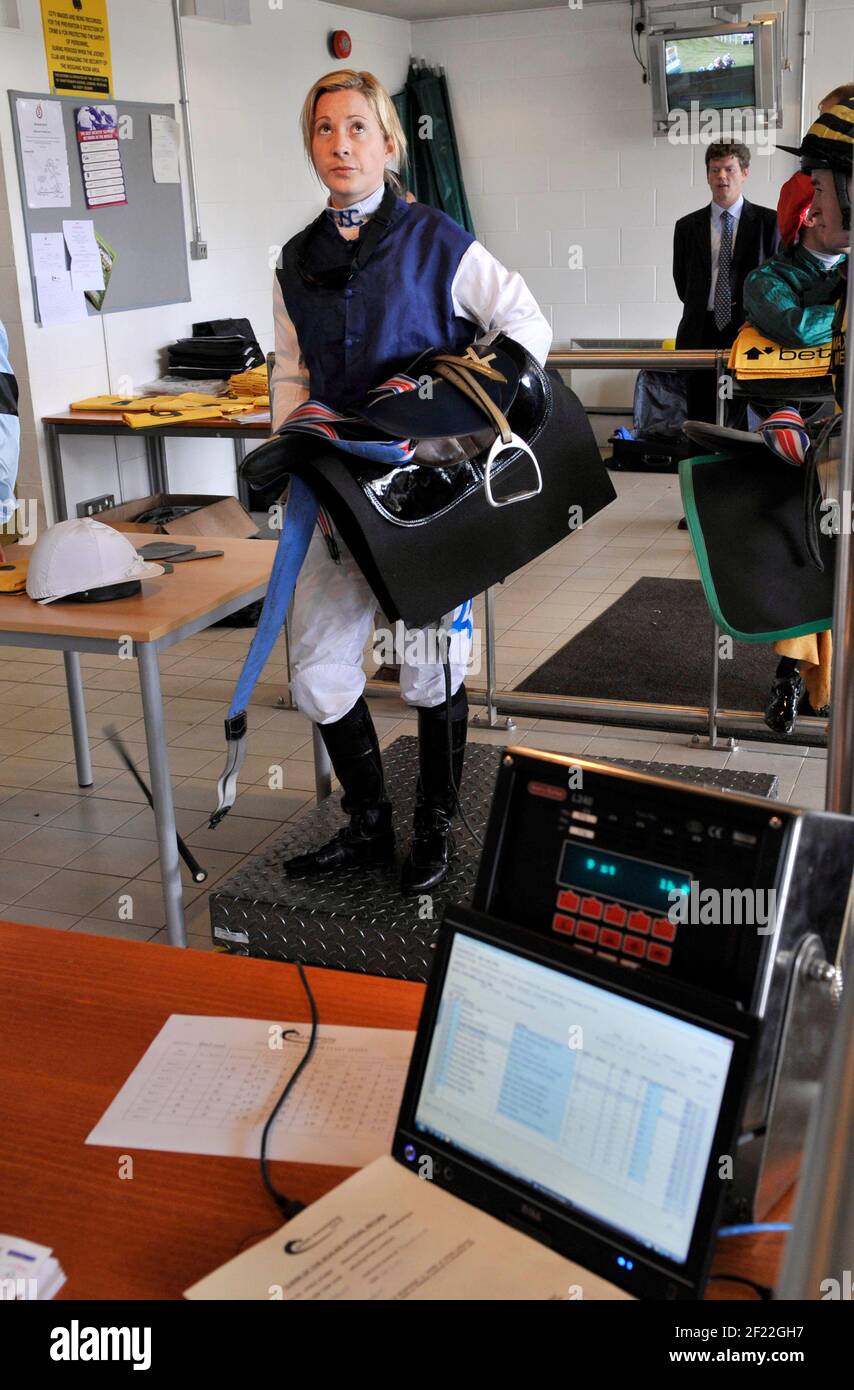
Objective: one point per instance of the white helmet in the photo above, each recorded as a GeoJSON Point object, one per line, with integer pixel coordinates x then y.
{"type": "Point", "coordinates": [87, 560]}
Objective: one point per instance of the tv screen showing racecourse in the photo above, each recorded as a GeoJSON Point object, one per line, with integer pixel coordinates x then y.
{"type": "Point", "coordinates": [716, 71]}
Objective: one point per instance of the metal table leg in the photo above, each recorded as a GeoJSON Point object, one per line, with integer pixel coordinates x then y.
{"type": "Point", "coordinates": [161, 788]}
{"type": "Point", "coordinates": [54, 462]}
{"type": "Point", "coordinates": [716, 632]}
{"type": "Point", "coordinates": [491, 720]}
{"type": "Point", "coordinates": [164, 467]}
{"type": "Point", "coordinates": [287, 700]}
{"type": "Point", "coordinates": [155, 457]}
{"type": "Point", "coordinates": [151, 462]}
{"type": "Point", "coordinates": [77, 709]}
{"type": "Point", "coordinates": [242, 485]}
{"type": "Point", "coordinates": [713, 692]}
{"type": "Point", "coordinates": [322, 766]}
{"type": "Point", "coordinates": [289, 617]}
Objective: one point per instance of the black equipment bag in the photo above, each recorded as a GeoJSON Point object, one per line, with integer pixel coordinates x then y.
{"type": "Point", "coordinates": [652, 454]}
{"type": "Point", "coordinates": [427, 538]}
{"type": "Point", "coordinates": [658, 412]}
{"type": "Point", "coordinates": [660, 404]}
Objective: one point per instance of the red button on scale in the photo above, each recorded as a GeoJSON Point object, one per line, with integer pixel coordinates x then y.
{"type": "Point", "coordinates": [633, 946]}
{"type": "Point", "coordinates": [664, 929]}
{"type": "Point", "coordinates": [615, 915]}
{"type": "Point", "coordinates": [638, 921]}
{"type": "Point", "coordinates": [586, 931]}
{"type": "Point", "coordinates": [565, 925]}
{"type": "Point", "coordinates": [568, 900]}
{"type": "Point", "coordinates": [660, 955]}
{"type": "Point", "coordinates": [591, 907]}
{"type": "Point", "coordinates": [612, 939]}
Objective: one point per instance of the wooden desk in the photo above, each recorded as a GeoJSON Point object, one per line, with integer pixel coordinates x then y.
{"type": "Point", "coordinates": [170, 608]}
{"type": "Point", "coordinates": [85, 1009]}
{"type": "Point", "coordinates": [239, 429]}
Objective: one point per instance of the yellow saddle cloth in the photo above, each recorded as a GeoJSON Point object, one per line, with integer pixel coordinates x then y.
{"type": "Point", "coordinates": [753, 355]}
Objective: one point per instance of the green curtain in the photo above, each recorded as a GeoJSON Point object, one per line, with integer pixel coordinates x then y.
{"type": "Point", "coordinates": [433, 171]}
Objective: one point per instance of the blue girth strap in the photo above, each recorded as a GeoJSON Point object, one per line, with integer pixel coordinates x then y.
{"type": "Point", "coordinates": [300, 517]}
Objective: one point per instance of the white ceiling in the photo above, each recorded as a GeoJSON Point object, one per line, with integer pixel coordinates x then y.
{"type": "Point", "coordinates": [450, 9]}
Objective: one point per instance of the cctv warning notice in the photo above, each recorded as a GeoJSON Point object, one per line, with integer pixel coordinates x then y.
{"type": "Point", "coordinates": [77, 47]}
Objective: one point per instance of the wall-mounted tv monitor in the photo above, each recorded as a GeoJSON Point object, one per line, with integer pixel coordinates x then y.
{"type": "Point", "coordinates": [717, 68]}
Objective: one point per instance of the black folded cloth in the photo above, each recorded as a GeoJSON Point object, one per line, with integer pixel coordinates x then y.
{"type": "Point", "coordinates": [212, 356]}
{"type": "Point", "coordinates": [218, 348]}
{"type": "Point", "coordinates": [228, 328]}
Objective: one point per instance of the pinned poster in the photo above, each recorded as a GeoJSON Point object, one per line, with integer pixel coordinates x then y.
{"type": "Point", "coordinates": [77, 47]}
{"type": "Point", "coordinates": [86, 269]}
{"type": "Point", "coordinates": [44, 154]}
{"type": "Point", "coordinates": [58, 300]}
{"type": "Point", "coordinates": [165, 142]}
{"type": "Point", "coordinates": [100, 158]}
{"type": "Point", "coordinates": [48, 253]}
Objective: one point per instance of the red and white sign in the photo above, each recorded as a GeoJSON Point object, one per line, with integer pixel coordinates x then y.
{"type": "Point", "coordinates": [98, 141]}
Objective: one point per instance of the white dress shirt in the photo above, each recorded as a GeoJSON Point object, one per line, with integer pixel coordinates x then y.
{"type": "Point", "coordinates": [735, 214]}
{"type": "Point", "coordinates": [483, 290]}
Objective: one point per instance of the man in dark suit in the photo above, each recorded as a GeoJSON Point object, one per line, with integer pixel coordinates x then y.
{"type": "Point", "coordinates": [713, 250]}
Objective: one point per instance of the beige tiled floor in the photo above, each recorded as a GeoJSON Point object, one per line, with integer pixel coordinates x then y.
{"type": "Point", "coordinates": [86, 860]}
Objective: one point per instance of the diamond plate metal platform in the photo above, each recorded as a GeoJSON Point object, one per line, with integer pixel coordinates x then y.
{"type": "Point", "coordinates": [721, 778]}
{"type": "Point", "coordinates": [359, 921]}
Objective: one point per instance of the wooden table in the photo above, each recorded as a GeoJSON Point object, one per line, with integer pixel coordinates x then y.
{"type": "Point", "coordinates": [170, 608]}
{"type": "Point", "coordinates": [239, 429]}
{"type": "Point", "coordinates": [85, 1009]}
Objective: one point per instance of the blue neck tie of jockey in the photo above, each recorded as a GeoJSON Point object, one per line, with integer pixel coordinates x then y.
{"type": "Point", "coordinates": [723, 288]}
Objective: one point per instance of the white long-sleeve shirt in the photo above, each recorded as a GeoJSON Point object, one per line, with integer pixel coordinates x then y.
{"type": "Point", "coordinates": [483, 290]}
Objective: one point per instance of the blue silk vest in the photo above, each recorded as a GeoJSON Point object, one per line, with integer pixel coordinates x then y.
{"type": "Point", "coordinates": [396, 306]}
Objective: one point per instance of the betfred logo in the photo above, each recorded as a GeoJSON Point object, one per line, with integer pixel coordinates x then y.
{"type": "Point", "coordinates": [805, 354]}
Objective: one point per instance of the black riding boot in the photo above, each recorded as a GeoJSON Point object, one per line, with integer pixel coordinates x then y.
{"type": "Point", "coordinates": [787, 691]}
{"type": "Point", "coordinates": [355, 755]}
{"type": "Point", "coordinates": [435, 799]}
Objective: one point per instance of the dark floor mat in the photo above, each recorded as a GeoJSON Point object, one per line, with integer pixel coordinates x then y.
{"type": "Point", "coordinates": [653, 645]}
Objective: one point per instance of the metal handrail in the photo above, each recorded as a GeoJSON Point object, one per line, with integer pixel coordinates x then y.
{"type": "Point", "coordinates": [564, 359]}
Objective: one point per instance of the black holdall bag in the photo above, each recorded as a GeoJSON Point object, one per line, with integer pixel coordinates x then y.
{"type": "Point", "coordinates": [484, 502]}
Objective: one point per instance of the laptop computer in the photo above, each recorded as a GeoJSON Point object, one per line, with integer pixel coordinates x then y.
{"type": "Point", "coordinates": [550, 1089]}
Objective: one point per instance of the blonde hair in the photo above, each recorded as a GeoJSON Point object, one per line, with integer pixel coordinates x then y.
{"type": "Point", "coordinates": [375, 94]}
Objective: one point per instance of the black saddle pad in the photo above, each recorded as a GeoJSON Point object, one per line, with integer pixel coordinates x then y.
{"type": "Point", "coordinates": [746, 520]}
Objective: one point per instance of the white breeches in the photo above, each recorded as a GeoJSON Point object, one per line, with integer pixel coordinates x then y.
{"type": "Point", "coordinates": [333, 620]}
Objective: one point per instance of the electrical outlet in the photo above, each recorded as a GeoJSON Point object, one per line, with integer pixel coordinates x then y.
{"type": "Point", "coordinates": [94, 505]}
{"type": "Point", "coordinates": [199, 250]}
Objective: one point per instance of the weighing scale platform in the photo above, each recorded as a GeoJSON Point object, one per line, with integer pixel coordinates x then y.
{"type": "Point", "coordinates": [359, 921]}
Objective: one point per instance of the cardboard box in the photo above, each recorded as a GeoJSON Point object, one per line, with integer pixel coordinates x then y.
{"type": "Point", "coordinates": [215, 516]}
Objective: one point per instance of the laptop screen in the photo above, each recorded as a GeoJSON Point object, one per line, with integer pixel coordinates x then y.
{"type": "Point", "coordinates": [598, 1101]}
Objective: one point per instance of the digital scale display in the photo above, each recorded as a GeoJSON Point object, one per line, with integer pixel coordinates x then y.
{"type": "Point", "coordinates": [618, 876]}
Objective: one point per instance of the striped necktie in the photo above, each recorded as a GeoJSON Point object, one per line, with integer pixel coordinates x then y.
{"type": "Point", "coordinates": [723, 288]}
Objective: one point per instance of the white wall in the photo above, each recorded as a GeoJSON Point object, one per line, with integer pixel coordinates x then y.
{"type": "Point", "coordinates": [830, 47]}
{"type": "Point", "coordinates": [555, 130]}
{"type": "Point", "coordinates": [246, 86]}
